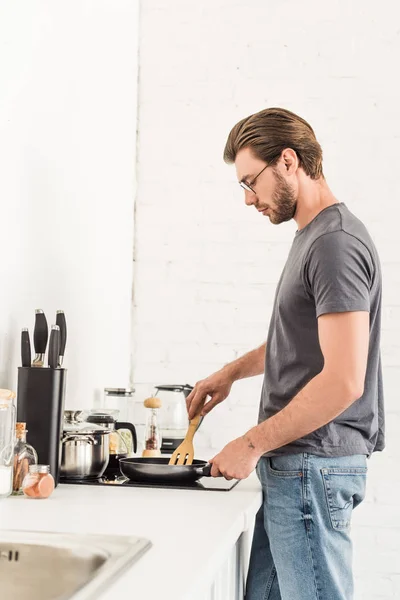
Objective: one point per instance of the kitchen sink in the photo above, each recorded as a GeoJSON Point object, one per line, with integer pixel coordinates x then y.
{"type": "Point", "coordinates": [59, 566]}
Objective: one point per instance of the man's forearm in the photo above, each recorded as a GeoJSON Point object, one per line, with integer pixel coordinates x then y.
{"type": "Point", "coordinates": [319, 402]}
{"type": "Point", "coordinates": [248, 365]}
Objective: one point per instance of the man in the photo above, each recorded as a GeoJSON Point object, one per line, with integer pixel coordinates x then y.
{"type": "Point", "coordinates": [321, 412]}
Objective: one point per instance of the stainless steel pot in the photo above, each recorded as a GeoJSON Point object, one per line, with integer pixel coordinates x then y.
{"type": "Point", "coordinates": [84, 454]}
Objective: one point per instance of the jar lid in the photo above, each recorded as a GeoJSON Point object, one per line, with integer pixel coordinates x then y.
{"type": "Point", "coordinates": [119, 391]}
{"type": "Point", "coordinates": [39, 468]}
{"type": "Point", "coordinates": [6, 394]}
{"type": "Point", "coordinates": [101, 418]}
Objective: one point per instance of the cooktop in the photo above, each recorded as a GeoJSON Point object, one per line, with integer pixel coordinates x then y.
{"type": "Point", "coordinates": [210, 484]}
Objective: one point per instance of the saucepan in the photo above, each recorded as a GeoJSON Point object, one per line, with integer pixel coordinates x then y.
{"type": "Point", "coordinates": [157, 470]}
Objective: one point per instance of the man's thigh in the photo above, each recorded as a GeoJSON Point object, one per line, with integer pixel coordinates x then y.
{"type": "Point", "coordinates": [308, 505]}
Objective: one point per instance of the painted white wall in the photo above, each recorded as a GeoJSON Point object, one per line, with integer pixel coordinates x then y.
{"type": "Point", "coordinates": [68, 81]}
{"type": "Point", "coordinates": [206, 265]}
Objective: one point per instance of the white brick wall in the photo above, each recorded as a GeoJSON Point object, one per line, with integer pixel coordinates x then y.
{"type": "Point", "coordinates": [206, 265]}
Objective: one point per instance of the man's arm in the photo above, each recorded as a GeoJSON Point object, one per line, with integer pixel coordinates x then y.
{"type": "Point", "coordinates": [344, 340]}
{"type": "Point", "coordinates": [218, 385]}
{"type": "Point", "coordinates": [250, 364]}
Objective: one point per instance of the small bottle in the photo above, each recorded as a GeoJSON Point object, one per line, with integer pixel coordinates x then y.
{"type": "Point", "coordinates": [39, 482]}
{"type": "Point", "coordinates": [152, 440]}
{"type": "Point", "coordinates": [24, 456]}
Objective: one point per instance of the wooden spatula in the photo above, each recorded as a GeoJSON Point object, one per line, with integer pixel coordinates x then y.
{"type": "Point", "coordinates": [184, 454]}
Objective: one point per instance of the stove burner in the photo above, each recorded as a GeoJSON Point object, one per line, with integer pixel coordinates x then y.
{"type": "Point", "coordinates": [212, 484]}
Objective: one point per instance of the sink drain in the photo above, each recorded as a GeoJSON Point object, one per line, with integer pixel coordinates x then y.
{"type": "Point", "coordinates": [10, 555]}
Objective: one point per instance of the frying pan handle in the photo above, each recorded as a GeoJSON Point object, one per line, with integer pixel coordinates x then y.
{"type": "Point", "coordinates": [205, 471]}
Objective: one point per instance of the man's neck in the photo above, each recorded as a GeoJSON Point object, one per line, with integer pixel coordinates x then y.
{"type": "Point", "coordinates": [314, 196]}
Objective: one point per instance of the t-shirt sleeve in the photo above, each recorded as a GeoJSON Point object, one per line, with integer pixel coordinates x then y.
{"type": "Point", "coordinates": [338, 273]}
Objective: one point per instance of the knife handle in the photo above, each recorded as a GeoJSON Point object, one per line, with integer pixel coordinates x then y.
{"type": "Point", "coordinates": [61, 322]}
{"type": "Point", "coordinates": [41, 332]}
{"type": "Point", "coordinates": [25, 348]}
{"type": "Point", "coordinates": [54, 346]}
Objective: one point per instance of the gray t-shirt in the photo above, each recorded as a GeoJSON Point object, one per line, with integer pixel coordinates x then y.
{"type": "Point", "coordinates": [333, 266]}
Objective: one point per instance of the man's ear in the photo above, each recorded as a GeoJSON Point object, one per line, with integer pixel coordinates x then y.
{"type": "Point", "coordinates": [290, 160]}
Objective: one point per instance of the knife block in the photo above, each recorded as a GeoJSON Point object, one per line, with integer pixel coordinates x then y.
{"type": "Point", "coordinates": [40, 404]}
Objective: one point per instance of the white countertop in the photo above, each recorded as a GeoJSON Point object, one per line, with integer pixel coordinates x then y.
{"type": "Point", "coordinates": [199, 527]}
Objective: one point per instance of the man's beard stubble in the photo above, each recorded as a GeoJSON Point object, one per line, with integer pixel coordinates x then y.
{"type": "Point", "coordinates": [284, 200]}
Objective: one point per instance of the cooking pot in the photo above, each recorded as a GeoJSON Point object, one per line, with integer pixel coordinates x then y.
{"type": "Point", "coordinates": [84, 454]}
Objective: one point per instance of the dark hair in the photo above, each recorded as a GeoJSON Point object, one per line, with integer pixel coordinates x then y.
{"type": "Point", "coordinates": [269, 132]}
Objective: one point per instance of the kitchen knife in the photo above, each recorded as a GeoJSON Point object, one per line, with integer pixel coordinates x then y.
{"type": "Point", "coordinates": [61, 322]}
{"type": "Point", "coordinates": [54, 346]}
{"type": "Point", "coordinates": [40, 336]}
{"type": "Point", "coordinates": [25, 348]}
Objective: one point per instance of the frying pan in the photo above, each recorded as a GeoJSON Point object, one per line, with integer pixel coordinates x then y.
{"type": "Point", "coordinates": [157, 470]}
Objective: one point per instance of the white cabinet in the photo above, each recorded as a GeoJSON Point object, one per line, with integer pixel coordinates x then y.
{"type": "Point", "coordinates": [230, 580]}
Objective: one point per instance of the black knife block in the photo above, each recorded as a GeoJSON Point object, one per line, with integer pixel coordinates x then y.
{"type": "Point", "coordinates": [40, 404]}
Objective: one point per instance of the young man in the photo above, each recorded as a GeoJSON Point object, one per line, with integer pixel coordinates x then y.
{"type": "Point", "coordinates": [321, 412]}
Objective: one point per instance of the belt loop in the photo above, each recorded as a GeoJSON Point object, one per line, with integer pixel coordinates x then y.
{"type": "Point", "coordinates": [306, 462]}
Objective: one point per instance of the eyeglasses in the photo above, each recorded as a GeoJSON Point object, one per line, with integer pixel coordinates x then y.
{"type": "Point", "coordinates": [248, 186]}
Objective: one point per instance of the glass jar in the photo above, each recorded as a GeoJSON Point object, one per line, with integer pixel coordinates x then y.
{"type": "Point", "coordinates": [24, 456]}
{"type": "Point", "coordinates": [120, 399]}
{"type": "Point", "coordinates": [39, 482]}
{"type": "Point", "coordinates": [7, 439]}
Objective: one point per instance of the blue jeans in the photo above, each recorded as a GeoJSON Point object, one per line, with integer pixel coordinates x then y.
{"type": "Point", "coordinates": [301, 547]}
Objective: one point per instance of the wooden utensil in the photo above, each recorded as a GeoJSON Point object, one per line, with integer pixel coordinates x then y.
{"type": "Point", "coordinates": [184, 454]}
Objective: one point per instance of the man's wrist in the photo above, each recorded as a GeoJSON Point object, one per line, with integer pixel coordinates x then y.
{"type": "Point", "coordinates": [231, 371]}
{"type": "Point", "coordinates": [255, 442]}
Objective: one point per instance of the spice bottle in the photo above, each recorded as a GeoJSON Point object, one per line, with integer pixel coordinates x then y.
{"type": "Point", "coordinates": [39, 483]}
{"type": "Point", "coordinates": [152, 440]}
{"type": "Point", "coordinates": [24, 456]}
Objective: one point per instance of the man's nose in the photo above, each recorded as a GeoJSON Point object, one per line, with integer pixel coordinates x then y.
{"type": "Point", "coordinates": [249, 198]}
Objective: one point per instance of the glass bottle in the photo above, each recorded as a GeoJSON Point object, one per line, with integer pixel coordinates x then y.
{"type": "Point", "coordinates": [24, 456]}
{"type": "Point", "coordinates": [152, 439]}
{"type": "Point", "coordinates": [39, 483]}
{"type": "Point", "coordinates": [7, 439]}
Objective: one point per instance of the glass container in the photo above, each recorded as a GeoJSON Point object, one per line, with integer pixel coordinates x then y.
{"type": "Point", "coordinates": [24, 456]}
{"type": "Point", "coordinates": [7, 441]}
{"type": "Point", "coordinates": [39, 482]}
{"type": "Point", "coordinates": [120, 399]}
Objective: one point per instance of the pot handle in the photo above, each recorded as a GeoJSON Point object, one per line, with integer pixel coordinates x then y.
{"type": "Point", "coordinates": [131, 428]}
{"type": "Point", "coordinates": [74, 436]}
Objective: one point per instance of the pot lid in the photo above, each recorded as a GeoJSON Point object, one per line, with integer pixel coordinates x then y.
{"type": "Point", "coordinates": [85, 429]}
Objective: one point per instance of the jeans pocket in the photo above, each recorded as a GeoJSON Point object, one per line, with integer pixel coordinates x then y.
{"type": "Point", "coordinates": [285, 466]}
{"type": "Point", "coordinates": [344, 490]}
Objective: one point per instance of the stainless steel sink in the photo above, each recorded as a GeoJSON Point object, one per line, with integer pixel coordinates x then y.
{"type": "Point", "coordinates": [59, 566]}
